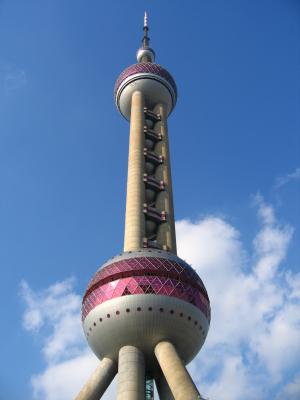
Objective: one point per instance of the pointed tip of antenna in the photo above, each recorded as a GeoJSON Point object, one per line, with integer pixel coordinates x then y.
{"type": "Point", "coordinates": [145, 53]}
{"type": "Point", "coordinates": [145, 20]}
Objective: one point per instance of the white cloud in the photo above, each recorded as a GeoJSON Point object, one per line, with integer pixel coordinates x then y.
{"type": "Point", "coordinates": [253, 343]}
{"type": "Point", "coordinates": [54, 315]}
{"type": "Point", "coordinates": [271, 242]}
{"type": "Point", "coordinates": [63, 380]}
{"type": "Point", "coordinates": [58, 307]}
{"type": "Point", "coordinates": [294, 284]}
{"type": "Point", "coordinates": [284, 179]}
{"type": "Point", "coordinates": [254, 336]}
{"type": "Point", "coordinates": [60, 381]}
{"type": "Point", "coordinates": [291, 391]}
{"type": "Point", "coordinates": [265, 211]}
{"type": "Point", "coordinates": [233, 371]}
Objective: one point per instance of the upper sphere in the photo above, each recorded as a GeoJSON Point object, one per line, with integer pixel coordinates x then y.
{"type": "Point", "coordinates": [155, 82]}
{"type": "Point", "coordinates": [142, 52]}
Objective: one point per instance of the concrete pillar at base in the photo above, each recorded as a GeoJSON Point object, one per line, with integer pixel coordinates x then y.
{"type": "Point", "coordinates": [99, 381]}
{"type": "Point", "coordinates": [179, 380]}
{"type": "Point", "coordinates": [163, 389]}
{"type": "Point", "coordinates": [131, 374]}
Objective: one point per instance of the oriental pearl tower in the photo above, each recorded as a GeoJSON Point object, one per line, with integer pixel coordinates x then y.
{"type": "Point", "coordinates": [146, 312]}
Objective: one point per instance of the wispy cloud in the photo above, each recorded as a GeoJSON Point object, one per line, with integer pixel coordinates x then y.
{"type": "Point", "coordinates": [253, 345]}
{"type": "Point", "coordinates": [53, 315]}
{"type": "Point", "coordinates": [12, 78]}
{"type": "Point", "coordinates": [63, 380]}
{"type": "Point", "coordinates": [284, 179]}
{"type": "Point", "coordinates": [291, 390]}
{"type": "Point", "coordinates": [57, 307]}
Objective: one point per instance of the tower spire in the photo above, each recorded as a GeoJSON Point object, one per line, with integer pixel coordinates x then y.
{"type": "Point", "coordinates": [145, 53]}
{"type": "Point", "coordinates": [146, 39]}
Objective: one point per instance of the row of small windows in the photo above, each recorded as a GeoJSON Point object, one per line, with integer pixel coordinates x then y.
{"type": "Point", "coordinates": [149, 309]}
{"type": "Point", "coordinates": [135, 251]}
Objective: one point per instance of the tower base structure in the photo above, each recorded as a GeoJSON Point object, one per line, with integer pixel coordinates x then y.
{"type": "Point", "coordinates": [174, 384]}
{"type": "Point", "coordinates": [145, 313]}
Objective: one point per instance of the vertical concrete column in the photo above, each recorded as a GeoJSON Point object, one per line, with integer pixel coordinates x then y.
{"type": "Point", "coordinates": [166, 236]}
{"type": "Point", "coordinates": [178, 378]}
{"type": "Point", "coordinates": [134, 218]}
{"type": "Point", "coordinates": [131, 374]}
{"type": "Point", "coordinates": [163, 389]}
{"type": "Point", "coordinates": [99, 381]}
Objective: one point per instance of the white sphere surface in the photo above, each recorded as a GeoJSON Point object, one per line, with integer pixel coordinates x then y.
{"type": "Point", "coordinates": [143, 320]}
{"type": "Point", "coordinates": [154, 91]}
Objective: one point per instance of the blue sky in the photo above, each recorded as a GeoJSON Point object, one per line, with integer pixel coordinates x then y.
{"type": "Point", "coordinates": [236, 169]}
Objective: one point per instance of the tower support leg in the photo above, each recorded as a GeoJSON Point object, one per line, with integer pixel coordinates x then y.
{"type": "Point", "coordinates": [99, 381]}
{"type": "Point", "coordinates": [178, 378]}
{"type": "Point", "coordinates": [163, 389]}
{"type": "Point", "coordinates": [131, 374]}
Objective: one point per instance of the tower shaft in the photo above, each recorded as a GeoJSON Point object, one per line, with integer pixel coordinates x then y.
{"type": "Point", "coordinates": [166, 234]}
{"type": "Point", "coordinates": [134, 218]}
{"type": "Point", "coordinates": [149, 219]}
